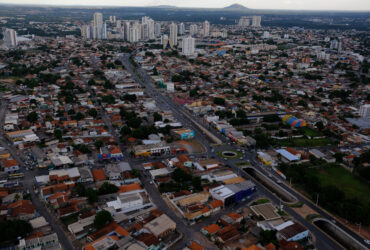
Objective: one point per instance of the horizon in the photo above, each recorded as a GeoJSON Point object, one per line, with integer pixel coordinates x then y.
{"type": "Point", "coordinates": [285, 4]}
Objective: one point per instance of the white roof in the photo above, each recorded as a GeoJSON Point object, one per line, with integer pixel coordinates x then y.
{"type": "Point", "coordinates": [71, 172]}
{"type": "Point", "coordinates": [158, 172]}
{"type": "Point", "coordinates": [286, 154]}
{"type": "Point", "coordinates": [222, 191]}
{"type": "Point", "coordinates": [38, 222]}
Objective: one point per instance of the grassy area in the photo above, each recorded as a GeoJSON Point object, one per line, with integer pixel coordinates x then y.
{"type": "Point", "coordinates": [345, 181]}
{"type": "Point", "coordinates": [244, 163]}
{"type": "Point", "coordinates": [236, 156]}
{"type": "Point", "coordinates": [302, 142]}
{"type": "Point", "coordinates": [296, 205]}
{"type": "Point", "coordinates": [311, 132]}
{"type": "Point", "coordinates": [282, 213]}
{"type": "Point", "coordinates": [260, 201]}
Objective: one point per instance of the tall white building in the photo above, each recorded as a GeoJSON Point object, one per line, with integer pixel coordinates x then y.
{"type": "Point", "coordinates": [206, 28]}
{"type": "Point", "coordinates": [173, 35]}
{"type": "Point", "coordinates": [188, 46]}
{"type": "Point", "coordinates": [164, 41]}
{"type": "Point", "coordinates": [127, 26]}
{"type": "Point", "coordinates": [193, 29]}
{"type": "Point", "coordinates": [86, 31]}
{"type": "Point", "coordinates": [10, 38]}
{"type": "Point", "coordinates": [244, 21]}
{"type": "Point", "coordinates": [134, 34]}
{"type": "Point", "coordinates": [181, 29]}
{"type": "Point", "coordinates": [157, 29]}
{"type": "Point", "coordinates": [99, 26]}
{"type": "Point", "coordinates": [148, 26]}
{"type": "Point", "coordinates": [256, 21]}
{"type": "Point", "coordinates": [365, 111]}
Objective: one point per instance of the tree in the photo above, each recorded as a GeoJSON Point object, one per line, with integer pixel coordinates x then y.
{"type": "Point", "coordinates": [93, 112]}
{"type": "Point", "coordinates": [267, 236]}
{"type": "Point", "coordinates": [240, 113]}
{"type": "Point", "coordinates": [11, 229]}
{"type": "Point", "coordinates": [102, 218]}
{"type": "Point", "coordinates": [92, 195]}
{"type": "Point", "coordinates": [320, 125]}
{"type": "Point", "coordinates": [108, 188]}
{"type": "Point", "coordinates": [125, 130]}
{"type": "Point", "coordinates": [32, 117]}
{"type": "Point", "coordinates": [219, 101]}
{"type": "Point", "coordinates": [135, 172]}
{"type": "Point", "coordinates": [80, 189]}
{"type": "Point", "coordinates": [98, 144]}
{"type": "Point", "coordinates": [79, 116]}
{"type": "Point", "coordinates": [134, 122]}
{"type": "Point", "coordinates": [180, 175]}
{"type": "Point", "coordinates": [58, 134]}
{"type": "Point", "coordinates": [157, 117]}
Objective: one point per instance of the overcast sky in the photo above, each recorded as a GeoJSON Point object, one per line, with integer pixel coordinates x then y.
{"type": "Point", "coordinates": [363, 5]}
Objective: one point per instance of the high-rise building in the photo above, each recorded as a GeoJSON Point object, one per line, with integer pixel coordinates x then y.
{"type": "Point", "coordinates": [134, 33]}
{"type": "Point", "coordinates": [365, 111]}
{"type": "Point", "coordinates": [112, 19]}
{"type": "Point", "coordinates": [193, 29]}
{"type": "Point", "coordinates": [244, 21]}
{"type": "Point", "coordinates": [188, 46]}
{"type": "Point", "coordinates": [10, 38]}
{"type": "Point", "coordinates": [173, 35]}
{"type": "Point", "coordinates": [256, 21]}
{"type": "Point", "coordinates": [206, 28]}
{"type": "Point", "coordinates": [99, 26]}
{"type": "Point", "coordinates": [148, 28]}
{"type": "Point", "coordinates": [118, 24]}
{"type": "Point", "coordinates": [127, 26]}
{"type": "Point", "coordinates": [181, 29]}
{"type": "Point", "coordinates": [164, 41]}
{"type": "Point", "coordinates": [266, 35]}
{"type": "Point", "coordinates": [157, 29]}
{"type": "Point", "coordinates": [86, 31]}
{"type": "Point", "coordinates": [144, 31]}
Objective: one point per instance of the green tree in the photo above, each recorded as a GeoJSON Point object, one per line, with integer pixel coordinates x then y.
{"type": "Point", "coordinates": [32, 117]}
{"type": "Point", "coordinates": [93, 112]}
{"type": "Point", "coordinates": [11, 229]}
{"type": "Point", "coordinates": [108, 188]}
{"type": "Point", "coordinates": [58, 134]}
{"type": "Point", "coordinates": [219, 101]}
{"type": "Point", "coordinates": [240, 113]}
{"type": "Point", "coordinates": [102, 218]}
{"type": "Point", "coordinates": [157, 117]}
{"type": "Point", "coordinates": [92, 195]}
{"type": "Point", "coordinates": [98, 144]}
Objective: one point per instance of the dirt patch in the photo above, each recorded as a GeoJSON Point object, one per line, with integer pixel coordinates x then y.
{"type": "Point", "coordinates": [243, 242]}
{"type": "Point", "coordinates": [304, 211]}
{"type": "Point", "coordinates": [192, 146]}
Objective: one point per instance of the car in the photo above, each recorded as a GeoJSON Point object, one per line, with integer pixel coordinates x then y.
{"type": "Point", "coordinates": [279, 181]}
{"type": "Point", "coordinates": [270, 175]}
{"type": "Point", "coordinates": [150, 182]}
{"type": "Point", "coordinates": [241, 158]}
{"type": "Point", "coordinates": [367, 242]}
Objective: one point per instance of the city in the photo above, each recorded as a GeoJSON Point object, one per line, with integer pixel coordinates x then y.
{"type": "Point", "coordinates": [167, 128]}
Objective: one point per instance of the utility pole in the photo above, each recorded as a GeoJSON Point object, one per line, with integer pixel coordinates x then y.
{"type": "Point", "coordinates": [317, 199]}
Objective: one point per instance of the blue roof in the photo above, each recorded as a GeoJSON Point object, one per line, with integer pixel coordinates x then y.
{"type": "Point", "coordinates": [287, 155]}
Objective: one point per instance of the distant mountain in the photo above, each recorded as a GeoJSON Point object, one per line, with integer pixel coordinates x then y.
{"type": "Point", "coordinates": [236, 7]}
{"type": "Point", "coordinates": [164, 6]}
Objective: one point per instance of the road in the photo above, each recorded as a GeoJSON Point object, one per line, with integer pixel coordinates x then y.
{"type": "Point", "coordinates": [28, 180]}
{"type": "Point", "coordinates": [322, 240]}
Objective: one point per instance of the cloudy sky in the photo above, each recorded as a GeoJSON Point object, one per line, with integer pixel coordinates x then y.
{"type": "Point", "coordinates": [363, 5]}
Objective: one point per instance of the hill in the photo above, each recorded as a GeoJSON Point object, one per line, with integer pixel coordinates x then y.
{"type": "Point", "coordinates": [236, 7]}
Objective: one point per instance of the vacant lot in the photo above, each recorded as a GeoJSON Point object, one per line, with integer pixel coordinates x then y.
{"type": "Point", "coordinates": [302, 142]}
{"type": "Point", "coordinates": [345, 181]}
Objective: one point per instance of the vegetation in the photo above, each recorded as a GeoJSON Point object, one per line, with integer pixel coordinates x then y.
{"type": "Point", "coordinates": [260, 201]}
{"type": "Point", "coordinates": [339, 191]}
{"type": "Point", "coordinates": [11, 229]}
{"type": "Point", "coordinates": [102, 218]}
{"type": "Point", "coordinates": [183, 181]}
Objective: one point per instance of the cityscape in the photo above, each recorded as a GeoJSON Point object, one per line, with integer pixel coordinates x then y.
{"type": "Point", "coordinates": [184, 128]}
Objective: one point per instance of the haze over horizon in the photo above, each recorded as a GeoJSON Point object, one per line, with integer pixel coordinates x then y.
{"type": "Point", "coordinates": [344, 5]}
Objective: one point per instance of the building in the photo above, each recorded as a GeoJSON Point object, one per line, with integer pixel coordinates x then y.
{"type": "Point", "coordinates": [193, 29]}
{"type": "Point", "coordinates": [99, 26]}
{"type": "Point", "coordinates": [45, 242]}
{"type": "Point", "coordinates": [173, 35]}
{"type": "Point", "coordinates": [183, 133]}
{"type": "Point", "coordinates": [127, 202]}
{"type": "Point", "coordinates": [10, 38]}
{"type": "Point", "coordinates": [256, 21]}
{"type": "Point", "coordinates": [157, 29]}
{"type": "Point", "coordinates": [365, 111]}
{"type": "Point", "coordinates": [293, 232]}
{"type": "Point", "coordinates": [188, 46]}
{"type": "Point", "coordinates": [244, 21]}
{"type": "Point", "coordinates": [181, 29]}
{"type": "Point", "coordinates": [134, 33]}
{"type": "Point", "coordinates": [161, 226]}
{"type": "Point", "coordinates": [206, 28]}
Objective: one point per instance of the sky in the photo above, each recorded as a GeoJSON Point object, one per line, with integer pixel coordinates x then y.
{"type": "Point", "coordinates": [363, 5]}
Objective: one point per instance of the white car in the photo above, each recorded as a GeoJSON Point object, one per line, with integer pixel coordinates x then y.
{"type": "Point", "coordinates": [367, 242]}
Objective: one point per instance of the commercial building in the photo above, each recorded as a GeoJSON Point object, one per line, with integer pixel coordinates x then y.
{"type": "Point", "coordinates": [206, 28]}
{"type": "Point", "coordinates": [183, 133]}
{"type": "Point", "coordinates": [161, 226]}
{"type": "Point", "coordinates": [256, 21]}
